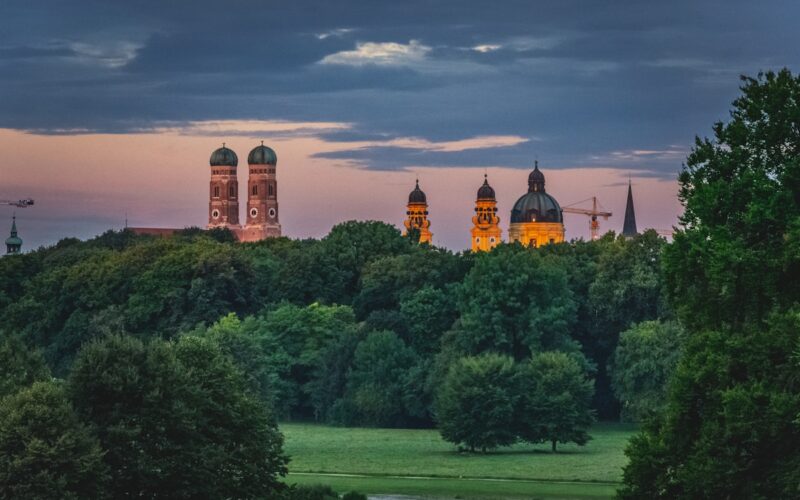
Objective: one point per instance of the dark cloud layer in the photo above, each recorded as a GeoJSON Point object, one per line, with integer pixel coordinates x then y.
{"type": "Point", "coordinates": [588, 81]}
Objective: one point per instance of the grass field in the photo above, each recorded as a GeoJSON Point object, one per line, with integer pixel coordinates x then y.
{"type": "Point", "coordinates": [418, 462]}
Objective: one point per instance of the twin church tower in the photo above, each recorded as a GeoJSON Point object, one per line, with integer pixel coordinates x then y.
{"type": "Point", "coordinates": [536, 218]}
{"type": "Point", "coordinates": [261, 220]}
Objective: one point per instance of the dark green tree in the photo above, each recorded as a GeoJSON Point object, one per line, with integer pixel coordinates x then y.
{"type": "Point", "coordinates": [729, 430]}
{"type": "Point", "coordinates": [19, 366]}
{"type": "Point", "coordinates": [376, 388]}
{"type": "Point", "coordinates": [476, 405]}
{"type": "Point", "coordinates": [516, 302]}
{"type": "Point", "coordinates": [642, 366]}
{"type": "Point", "coordinates": [556, 399]}
{"type": "Point", "coordinates": [176, 420]}
{"type": "Point", "coordinates": [45, 451]}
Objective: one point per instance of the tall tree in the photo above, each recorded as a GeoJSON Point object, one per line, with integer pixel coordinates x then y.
{"type": "Point", "coordinates": [19, 366]}
{"type": "Point", "coordinates": [729, 430]}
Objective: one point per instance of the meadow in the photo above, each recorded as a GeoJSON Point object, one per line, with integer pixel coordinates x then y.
{"type": "Point", "coordinates": [418, 462]}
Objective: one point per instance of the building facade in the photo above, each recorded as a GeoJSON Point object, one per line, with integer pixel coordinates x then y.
{"type": "Point", "coordinates": [417, 215]}
{"type": "Point", "coordinates": [223, 203]}
{"type": "Point", "coordinates": [486, 232]}
{"type": "Point", "coordinates": [536, 218]}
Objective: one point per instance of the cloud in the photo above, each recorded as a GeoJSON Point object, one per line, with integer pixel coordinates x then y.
{"type": "Point", "coordinates": [338, 32]}
{"type": "Point", "coordinates": [487, 47]}
{"type": "Point", "coordinates": [381, 54]}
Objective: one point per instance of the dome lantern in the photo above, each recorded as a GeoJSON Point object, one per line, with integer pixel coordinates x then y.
{"type": "Point", "coordinates": [536, 179]}
{"type": "Point", "coordinates": [486, 192]}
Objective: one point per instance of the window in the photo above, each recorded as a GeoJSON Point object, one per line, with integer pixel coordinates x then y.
{"type": "Point", "coordinates": [231, 192]}
{"type": "Point", "coordinates": [491, 240]}
{"type": "Point", "coordinates": [552, 240]}
{"type": "Point", "coordinates": [271, 190]}
{"type": "Point", "coordinates": [478, 239]}
{"type": "Point", "coordinates": [216, 191]}
{"type": "Point", "coordinates": [255, 189]}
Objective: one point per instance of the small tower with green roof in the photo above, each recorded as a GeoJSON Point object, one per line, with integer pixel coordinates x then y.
{"type": "Point", "coordinates": [13, 242]}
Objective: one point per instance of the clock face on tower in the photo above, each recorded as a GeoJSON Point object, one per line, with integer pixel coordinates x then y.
{"type": "Point", "coordinates": [272, 213]}
{"type": "Point", "coordinates": [253, 212]}
{"type": "Point", "coordinates": [215, 213]}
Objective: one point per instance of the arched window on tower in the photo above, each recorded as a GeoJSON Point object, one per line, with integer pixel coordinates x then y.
{"type": "Point", "coordinates": [255, 190]}
{"type": "Point", "coordinates": [271, 190]}
{"type": "Point", "coordinates": [216, 191]}
{"type": "Point", "coordinates": [232, 192]}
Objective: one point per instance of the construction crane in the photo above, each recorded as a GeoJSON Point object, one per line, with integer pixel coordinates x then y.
{"type": "Point", "coordinates": [26, 202]}
{"type": "Point", "coordinates": [594, 213]}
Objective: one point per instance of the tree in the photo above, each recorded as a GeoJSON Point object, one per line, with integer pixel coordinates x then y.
{"type": "Point", "coordinates": [176, 420]}
{"type": "Point", "coordinates": [45, 451]}
{"type": "Point", "coordinates": [729, 429]}
{"type": "Point", "coordinates": [429, 312]}
{"type": "Point", "coordinates": [477, 402]}
{"type": "Point", "coordinates": [376, 381]}
{"type": "Point", "coordinates": [556, 400]}
{"type": "Point", "coordinates": [642, 365]}
{"type": "Point", "coordinates": [259, 357]}
{"type": "Point", "coordinates": [515, 302]}
{"type": "Point", "coordinates": [19, 366]}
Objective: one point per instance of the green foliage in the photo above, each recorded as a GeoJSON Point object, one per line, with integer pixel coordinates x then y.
{"type": "Point", "coordinates": [310, 492]}
{"type": "Point", "coordinates": [429, 312]}
{"type": "Point", "coordinates": [19, 366]}
{"type": "Point", "coordinates": [477, 403]}
{"type": "Point", "coordinates": [642, 365]}
{"type": "Point", "coordinates": [729, 430]}
{"type": "Point", "coordinates": [45, 451]}
{"type": "Point", "coordinates": [258, 356]}
{"type": "Point", "coordinates": [555, 403]}
{"type": "Point", "coordinates": [176, 420]}
{"type": "Point", "coordinates": [516, 302]}
{"type": "Point", "coordinates": [376, 387]}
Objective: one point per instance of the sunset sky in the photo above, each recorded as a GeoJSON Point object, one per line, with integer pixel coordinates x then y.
{"type": "Point", "coordinates": [113, 108]}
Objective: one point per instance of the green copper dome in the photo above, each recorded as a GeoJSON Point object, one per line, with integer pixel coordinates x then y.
{"type": "Point", "coordinates": [262, 155]}
{"type": "Point", "coordinates": [224, 157]}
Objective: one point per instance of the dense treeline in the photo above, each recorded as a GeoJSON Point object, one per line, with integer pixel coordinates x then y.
{"type": "Point", "coordinates": [357, 328]}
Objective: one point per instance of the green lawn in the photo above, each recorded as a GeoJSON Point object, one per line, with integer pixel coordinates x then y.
{"type": "Point", "coordinates": [387, 457]}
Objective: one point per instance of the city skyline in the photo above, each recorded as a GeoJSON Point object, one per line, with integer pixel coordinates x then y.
{"type": "Point", "coordinates": [112, 109]}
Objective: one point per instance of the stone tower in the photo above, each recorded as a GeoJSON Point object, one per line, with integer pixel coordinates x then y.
{"type": "Point", "coordinates": [486, 232]}
{"type": "Point", "coordinates": [13, 242]}
{"type": "Point", "coordinates": [262, 195]}
{"type": "Point", "coordinates": [417, 215]}
{"type": "Point", "coordinates": [536, 218]}
{"type": "Point", "coordinates": [223, 205]}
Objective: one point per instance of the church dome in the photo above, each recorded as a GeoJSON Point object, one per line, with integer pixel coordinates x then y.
{"type": "Point", "coordinates": [486, 192]}
{"type": "Point", "coordinates": [417, 195]}
{"type": "Point", "coordinates": [536, 205]}
{"type": "Point", "coordinates": [223, 157]}
{"type": "Point", "coordinates": [262, 155]}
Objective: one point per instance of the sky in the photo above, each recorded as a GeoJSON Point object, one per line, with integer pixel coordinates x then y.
{"type": "Point", "coordinates": [111, 110]}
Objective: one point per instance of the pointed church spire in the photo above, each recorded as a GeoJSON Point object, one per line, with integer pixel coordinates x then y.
{"type": "Point", "coordinates": [13, 242]}
{"type": "Point", "coordinates": [629, 226]}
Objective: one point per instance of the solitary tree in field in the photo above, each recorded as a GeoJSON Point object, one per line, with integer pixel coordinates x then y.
{"type": "Point", "coordinates": [475, 406]}
{"type": "Point", "coordinates": [556, 400]}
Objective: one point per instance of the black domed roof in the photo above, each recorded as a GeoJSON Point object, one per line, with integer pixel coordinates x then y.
{"type": "Point", "coordinates": [486, 192]}
{"type": "Point", "coordinates": [536, 205]}
{"type": "Point", "coordinates": [224, 157]}
{"type": "Point", "coordinates": [262, 155]}
{"type": "Point", "coordinates": [417, 195]}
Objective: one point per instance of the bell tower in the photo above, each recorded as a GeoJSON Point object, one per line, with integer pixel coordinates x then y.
{"type": "Point", "coordinates": [223, 205]}
{"type": "Point", "coordinates": [262, 195]}
{"type": "Point", "coordinates": [417, 215]}
{"type": "Point", "coordinates": [486, 232]}
{"type": "Point", "coordinates": [13, 242]}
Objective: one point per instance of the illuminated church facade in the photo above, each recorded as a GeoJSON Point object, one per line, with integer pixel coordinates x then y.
{"type": "Point", "coordinates": [536, 219]}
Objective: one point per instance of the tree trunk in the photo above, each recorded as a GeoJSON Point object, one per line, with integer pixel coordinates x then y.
{"type": "Point", "coordinates": [554, 446]}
